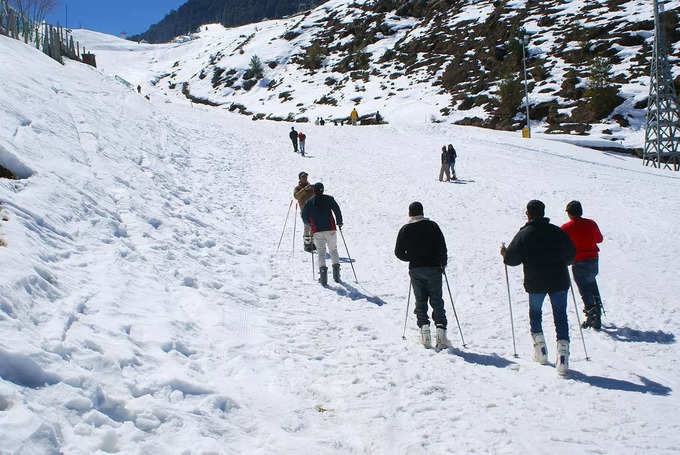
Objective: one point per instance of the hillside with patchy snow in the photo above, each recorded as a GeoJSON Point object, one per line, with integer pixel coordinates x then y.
{"type": "Point", "coordinates": [144, 308]}
{"type": "Point", "coordinates": [454, 61]}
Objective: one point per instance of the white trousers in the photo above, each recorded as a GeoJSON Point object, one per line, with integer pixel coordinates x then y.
{"type": "Point", "coordinates": [330, 239]}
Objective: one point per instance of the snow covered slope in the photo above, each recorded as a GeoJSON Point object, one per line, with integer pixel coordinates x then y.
{"type": "Point", "coordinates": [143, 308]}
{"type": "Point", "coordinates": [430, 62]}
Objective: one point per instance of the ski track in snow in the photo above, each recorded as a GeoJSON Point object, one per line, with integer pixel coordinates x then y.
{"type": "Point", "coordinates": [147, 293]}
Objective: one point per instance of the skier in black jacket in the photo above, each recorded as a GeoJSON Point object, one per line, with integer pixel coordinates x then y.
{"type": "Point", "coordinates": [545, 250]}
{"type": "Point", "coordinates": [318, 212]}
{"type": "Point", "coordinates": [294, 138]}
{"type": "Point", "coordinates": [421, 243]}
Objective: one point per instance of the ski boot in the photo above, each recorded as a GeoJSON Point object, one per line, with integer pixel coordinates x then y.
{"type": "Point", "coordinates": [323, 276]}
{"type": "Point", "coordinates": [308, 247]}
{"type": "Point", "coordinates": [440, 340]}
{"type": "Point", "coordinates": [540, 349]}
{"type": "Point", "coordinates": [425, 336]}
{"type": "Point", "coordinates": [562, 362]}
{"type": "Point", "coordinates": [336, 273]}
{"type": "Point", "coordinates": [593, 318]}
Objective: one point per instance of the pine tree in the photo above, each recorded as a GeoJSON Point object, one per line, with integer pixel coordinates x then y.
{"type": "Point", "coordinates": [256, 68]}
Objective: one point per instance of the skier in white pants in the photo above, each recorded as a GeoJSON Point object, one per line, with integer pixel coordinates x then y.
{"type": "Point", "coordinates": [318, 212]}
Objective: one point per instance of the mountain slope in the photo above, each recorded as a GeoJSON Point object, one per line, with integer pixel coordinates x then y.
{"type": "Point", "coordinates": [459, 61]}
{"type": "Point", "coordinates": [229, 13]}
{"type": "Point", "coordinates": [145, 309]}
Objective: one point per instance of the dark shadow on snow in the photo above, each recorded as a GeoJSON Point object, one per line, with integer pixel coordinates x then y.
{"type": "Point", "coordinates": [647, 386]}
{"type": "Point", "coordinates": [638, 336]}
{"type": "Point", "coordinates": [493, 360]}
{"type": "Point", "coordinates": [347, 290]}
{"type": "Point", "coordinates": [462, 181]}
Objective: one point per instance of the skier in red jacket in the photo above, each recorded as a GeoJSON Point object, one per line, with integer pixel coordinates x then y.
{"type": "Point", "coordinates": [585, 235]}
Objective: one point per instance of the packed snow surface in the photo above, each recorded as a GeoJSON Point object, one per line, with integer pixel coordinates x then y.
{"type": "Point", "coordinates": [144, 307]}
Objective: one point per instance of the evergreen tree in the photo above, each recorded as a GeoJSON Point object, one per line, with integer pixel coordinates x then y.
{"type": "Point", "coordinates": [256, 68]}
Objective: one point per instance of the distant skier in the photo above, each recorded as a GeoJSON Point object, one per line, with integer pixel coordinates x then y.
{"type": "Point", "coordinates": [545, 250]}
{"type": "Point", "coordinates": [294, 138]}
{"type": "Point", "coordinates": [318, 213]}
{"type": "Point", "coordinates": [586, 235]}
{"type": "Point", "coordinates": [445, 165]}
{"type": "Point", "coordinates": [451, 156]}
{"type": "Point", "coordinates": [421, 244]}
{"type": "Point", "coordinates": [301, 140]}
{"type": "Point", "coordinates": [303, 192]}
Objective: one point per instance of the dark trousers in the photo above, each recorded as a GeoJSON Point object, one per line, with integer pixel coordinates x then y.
{"type": "Point", "coordinates": [295, 145]}
{"type": "Point", "coordinates": [558, 300]}
{"type": "Point", "coordinates": [427, 285]}
{"type": "Point", "coordinates": [584, 275]}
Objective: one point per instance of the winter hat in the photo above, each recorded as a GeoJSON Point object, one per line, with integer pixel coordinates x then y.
{"type": "Point", "coordinates": [318, 188]}
{"type": "Point", "coordinates": [301, 174]}
{"type": "Point", "coordinates": [535, 209]}
{"type": "Point", "coordinates": [574, 208]}
{"type": "Point", "coordinates": [415, 209]}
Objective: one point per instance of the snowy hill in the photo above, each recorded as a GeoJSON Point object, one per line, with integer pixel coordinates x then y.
{"type": "Point", "coordinates": [143, 308]}
{"type": "Point", "coordinates": [423, 62]}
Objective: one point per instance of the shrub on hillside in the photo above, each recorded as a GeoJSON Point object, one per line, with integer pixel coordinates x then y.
{"type": "Point", "coordinates": [602, 94]}
{"type": "Point", "coordinates": [510, 97]}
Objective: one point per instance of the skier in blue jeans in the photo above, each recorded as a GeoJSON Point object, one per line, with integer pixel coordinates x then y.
{"type": "Point", "coordinates": [545, 250]}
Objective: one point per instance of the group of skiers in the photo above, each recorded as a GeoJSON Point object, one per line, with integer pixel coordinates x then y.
{"type": "Point", "coordinates": [298, 140]}
{"type": "Point", "coordinates": [545, 250]}
{"type": "Point", "coordinates": [322, 217]}
{"type": "Point", "coordinates": [448, 166]}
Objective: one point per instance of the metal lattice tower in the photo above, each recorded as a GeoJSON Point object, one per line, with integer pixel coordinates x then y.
{"type": "Point", "coordinates": [663, 111]}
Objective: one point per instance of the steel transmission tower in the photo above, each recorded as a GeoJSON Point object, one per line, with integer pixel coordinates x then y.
{"type": "Point", "coordinates": [663, 111]}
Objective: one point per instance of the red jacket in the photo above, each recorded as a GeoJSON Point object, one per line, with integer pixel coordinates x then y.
{"type": "Point", "coordinates": [586, 235]}
{"type": "Point", "coordinates": [302, 137]}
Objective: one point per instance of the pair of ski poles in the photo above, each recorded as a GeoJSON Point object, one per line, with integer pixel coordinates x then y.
{"type": "Point", "coordinates": [351, 262]}
{"type": "Point", "coordinates": [408, 303]}
{"type": "Point", "coordinates": [512, 324]}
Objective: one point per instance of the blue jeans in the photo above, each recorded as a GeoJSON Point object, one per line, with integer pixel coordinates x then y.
{"type": "Point", "coordinates": [452, 165]}
{"type": "Point", "coordinates": [427, 285]}
{"type": "Point", "coordinates": [584, 276]}
{"type": "Point", "coordinates": [558, 301]}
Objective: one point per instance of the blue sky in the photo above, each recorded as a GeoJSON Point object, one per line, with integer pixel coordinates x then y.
{"type": "Point", "coordinates": [113, 17]}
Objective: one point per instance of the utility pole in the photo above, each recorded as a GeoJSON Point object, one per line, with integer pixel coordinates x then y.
{"type": "Point", "coordinates": [662, 129]}
{"type": "Point", "coordinates": [525, 41]}
{"type": "Point", "coordinates": [66, 6]}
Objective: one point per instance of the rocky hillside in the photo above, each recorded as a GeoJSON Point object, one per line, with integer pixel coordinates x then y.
{"type": "Point", "coordinates": [452, 60]}
{"type": "Point", "coordinates": [229, 13]}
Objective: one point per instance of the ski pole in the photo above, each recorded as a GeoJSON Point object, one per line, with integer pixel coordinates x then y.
{"type": "Point", "coordinates": [284, 225]}
{"type": "Point", "coordinates": [349, 256]}
{"type": "Point", "coordinates": [578, 319]}
{"type": "Point", "coordinates": [512, 323]}
{"type": "Point", "coordinates": [454, 308]}
{"type": "Point", "coordinates": [408, 303]}
{"type": "Point", "coordinates": [292, 253]}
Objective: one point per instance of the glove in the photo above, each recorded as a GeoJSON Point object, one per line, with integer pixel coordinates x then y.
{"type": "Point", "coordinates": [340, 226]}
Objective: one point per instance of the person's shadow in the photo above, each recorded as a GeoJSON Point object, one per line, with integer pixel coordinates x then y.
{"type": "Point", "coordinates": [638, 336]}
{"type": "Point", "coordinates": [493, 360]}
{"type": "Point", "coordinates": [347, 290]}
{"type": "Point", "coordinates": [647, 386]}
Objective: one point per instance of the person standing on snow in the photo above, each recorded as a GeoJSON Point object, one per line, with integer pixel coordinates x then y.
{"type": "Point", "coordinates": [301, 139]}
{"type": "Point", "coordinates": [318, 213]}
{"type": "Point", "coordinates": [445, 165]}
{"type": "Point", "coordinates": [354, 116]}
{"type": "Point", "coordinates": [451, 157]}
{"type": "Point", "coordinates": [421, 244]}
{"type": "Point", "coordinates": [545, 250]}
{"type": "Point", "coordinates": [302, 193]}
{"type": "Point", "coordinates": [294, 138]}
{"type": "Point", "coordinates": [585, 235]}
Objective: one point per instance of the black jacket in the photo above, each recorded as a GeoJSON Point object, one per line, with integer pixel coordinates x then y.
{"type": "Point", "coordinates": [422, 244]}
{"type": "Point", "coordinates": [318, 211]}
{"type": "Point", "coordinates": [451, 155]}
{"type": "Point", "coordinates": [293, 136]}
{"type": "Point", "coordinates": [545, 250]}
